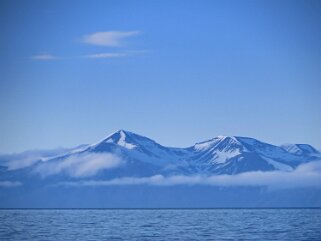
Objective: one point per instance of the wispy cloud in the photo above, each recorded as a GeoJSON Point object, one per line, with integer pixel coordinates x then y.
{"type": "Point", "coordinates": [81, 165]}
{"type": "Point", "coordinates": [111, 55]}
{"type": "Point", "coordinates": [44, 57]}
{"type": "Point", "coordinates": [23, 161]}
{"type": "Point", "coordinates": [106, 55]}
{"type": "Point", "coordinates": [109, 38]}
{"type": "Point", "coordinates": [9, 184]}
{"type": "Point", "coordinates": [306, 175]}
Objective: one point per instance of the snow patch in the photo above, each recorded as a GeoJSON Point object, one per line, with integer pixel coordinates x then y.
{"type": "Point", "coordinates": [278, 165]}
{"type": "Point", "coordinates": [204, 145]}
{"type": "Point", "coordinates": [292, 148]}
{"type": "Point", "coordinates": [222, 156]}
{"type": "Point", "coordinates": [122, 141]}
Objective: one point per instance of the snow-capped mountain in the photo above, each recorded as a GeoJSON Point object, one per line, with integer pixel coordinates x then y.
{"type": "Point", "coordinates": [124, 153]}
{"type": "Point", "coordinates": [232, 155]}
{"type": "Point", "coordinates": [129, 170]}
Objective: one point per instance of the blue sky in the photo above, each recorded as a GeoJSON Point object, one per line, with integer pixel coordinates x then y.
{"type": "Point", "coordinates": [176, 71]}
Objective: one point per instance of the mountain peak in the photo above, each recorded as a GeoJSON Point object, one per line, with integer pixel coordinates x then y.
{"type": "Point", "coordinates": [122, 138]}
{"type": "Point", "coordinates": [223, 137]}
{"type": "Point", "coordinates": [231, 138]}
{"type": "Point", "coordinates": [120, 132]}
{"type": "Point", "coordinates": [123, 132]}
{"type": "Point", "coordinates": [126, 139]}
{"type": "Point", "coordinates": [300, 149]}
{"type": "Point", "coordinates": [216, 141]}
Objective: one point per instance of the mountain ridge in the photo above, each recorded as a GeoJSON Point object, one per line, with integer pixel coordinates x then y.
{"type": "Point", "coordinates": [142, 156]}
{"type": "Point", "coordinates": [127, 170]}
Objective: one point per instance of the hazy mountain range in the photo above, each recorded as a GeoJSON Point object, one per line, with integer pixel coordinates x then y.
{"type": "Point", "coordinates": [127, 161]}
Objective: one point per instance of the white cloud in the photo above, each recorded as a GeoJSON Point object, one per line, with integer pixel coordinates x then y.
{"type": "Point", "coordinates": [24, 159]}
{"type": "Point", "coordinates": [306, 175]}
{"type": "Point", "coordinates": [106, 55]}
{"type": "Point", "coordinates": [116, 54]}
{"type": "Point", "coordinates": [81, 165]}
{"type": "Point", "coordinates": [109, 38]}
{"type": "Point", "coordinates": [9, 184]}
{"type": "Point", "coordinates": [22, 162]}
{"type": "Point", "coordinates": [44, 57]}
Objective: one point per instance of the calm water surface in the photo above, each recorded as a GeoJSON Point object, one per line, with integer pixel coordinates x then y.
{"type": "Point", "coordinates": [161, 224]}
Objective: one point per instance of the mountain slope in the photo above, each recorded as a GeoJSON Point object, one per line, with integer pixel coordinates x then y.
{"type": "Point", "coordinates": [125, 154]}
{"type": "Point", "coordinates": [129, 170]}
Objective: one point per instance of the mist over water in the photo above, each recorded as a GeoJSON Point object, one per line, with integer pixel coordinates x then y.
{"type": "Point", "coordinates": [161, 224]}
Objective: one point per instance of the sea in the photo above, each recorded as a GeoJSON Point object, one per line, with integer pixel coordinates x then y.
{"type": "Point", "coordinates": [160, 224]}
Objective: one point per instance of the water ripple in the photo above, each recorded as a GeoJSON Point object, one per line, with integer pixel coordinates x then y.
{"type": "Point", "coordinates": [161, 224]}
